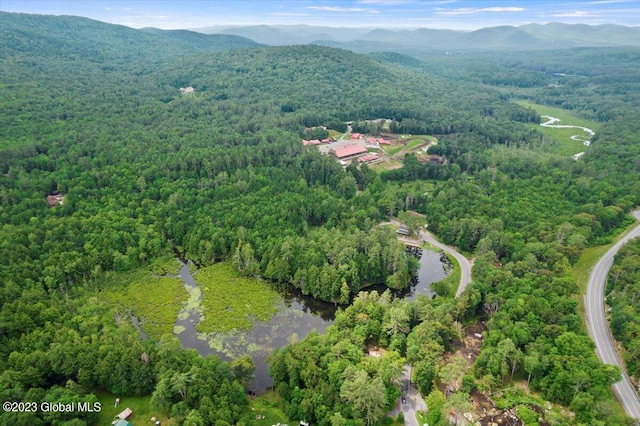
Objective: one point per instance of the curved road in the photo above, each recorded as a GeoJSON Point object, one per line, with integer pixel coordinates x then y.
{"type": "Point", "coordinates": [599, 328]}
{"type": "Point", "coordinates": [465, 264]}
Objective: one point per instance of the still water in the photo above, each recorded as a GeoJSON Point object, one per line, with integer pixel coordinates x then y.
{"type": "Point", "coordinates": [297, 316]}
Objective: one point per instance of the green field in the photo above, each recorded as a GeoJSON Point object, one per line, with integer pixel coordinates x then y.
{"type": "Point", "coordinates": [232, 302]}
{"type": "Point", "coordinates": [142, 411]}
{"type": "Point", "coordinates": [155, 301]}
{"type": "Point", "coordinates": [265, 410]}
{"type": "Point", "coordinates": [560, 139]}
{"type": "Point", "coordinates": [334, 134]}
{"type": "Point", "coordinates": [414, 143]}
{"type": "Point", "coordinates": [396, 149]}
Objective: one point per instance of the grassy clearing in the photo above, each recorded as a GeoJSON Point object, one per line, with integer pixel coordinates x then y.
{"type": "Point", "coordinates": [155, 301]}
{"type": "Point", "coordinates": [567, 117]}
{"type": "Point", "coordinates": [561, 138]}
{"type": "Point", "coordinates": [231, 302]}
{"type": "Point", "coordinates": [561, 142]}
{"type": "Point", "coordinates": [334, 134]}
{"type": "Point", "coordinates": [394, 150]}
{"type": "Point", "coordinates": [267, 405]}
{"type": "Point", "coordinates": [140, 406]}
{"type": "Point", "coordinates": [414, 143]}
{"type": "Point", "coordinates": [389, 164]}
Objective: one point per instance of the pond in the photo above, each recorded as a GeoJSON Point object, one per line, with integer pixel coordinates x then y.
{"type": "Point", "coordinates": [297, 316]}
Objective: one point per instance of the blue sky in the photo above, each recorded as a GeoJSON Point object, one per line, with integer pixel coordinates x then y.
{"type": "Point", "coordinates": [450, 14]}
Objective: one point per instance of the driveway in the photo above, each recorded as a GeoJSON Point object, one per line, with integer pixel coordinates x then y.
{"type": "Point", "coordinates": [465, 264]}
{"type": "Point", "coordinates": [410, 402]}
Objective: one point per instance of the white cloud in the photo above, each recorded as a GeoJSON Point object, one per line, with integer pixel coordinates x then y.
{"type": "Point", "coordinates": [385, 2]}
{"type": "Point", "coordinates": [574, 14]}
{"type": "Point", "coordinates": [474, 10]}
{"type": "Point", "coordinates": [609, 1]}
{"type": "Point", "coordinates": [288, 14]}
{"type": "Point", "coordinates": [340, 9]}
{"type": "Point", "coordinates": [337, 9]}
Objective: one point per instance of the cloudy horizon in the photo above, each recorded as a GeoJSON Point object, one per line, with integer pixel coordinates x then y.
{"type": "Point", "coordinates": [437, 14]}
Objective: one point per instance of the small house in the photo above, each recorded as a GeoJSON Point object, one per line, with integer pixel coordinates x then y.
{"type": "Point", "coordinates": [125, 414]}
{"type": "Point", "coordinates": [55, 200]}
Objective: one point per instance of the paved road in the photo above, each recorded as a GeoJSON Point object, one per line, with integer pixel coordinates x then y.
{"type": "Point", "coordinates": [465, 264]}
{"type": "Point", "coordinates": [410, 402]}
{"type": "Point", "coordinates": [599, 328]}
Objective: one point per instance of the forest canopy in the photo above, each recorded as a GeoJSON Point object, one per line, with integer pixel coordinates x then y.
{"type": "Point", "coordinates": [95, 113]}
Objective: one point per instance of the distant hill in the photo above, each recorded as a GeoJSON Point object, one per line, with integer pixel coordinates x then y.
{"type": "Point", "coordinates": [72, 36]}
{"type": "Point", "coordinates": [533, 36]}
{"type": "Point", "coordinates": [585, 35]}
{"type": "Point", "coordinates": [202, 41]}
{"type": "Point", "coordinates": [278, 35]}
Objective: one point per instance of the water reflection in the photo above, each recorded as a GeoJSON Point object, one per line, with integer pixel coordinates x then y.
{"type": "Point", "coordinates": [297, 316]}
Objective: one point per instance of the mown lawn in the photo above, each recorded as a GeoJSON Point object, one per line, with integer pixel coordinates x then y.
{"type": "Point", "coordinates": [142, 411]}
{"type": "Point", "coordinates": [265, 410]}
{"type": "Point", "coordinates": [334, 134]}
{"type": "Point", "coordinates": [389, 164]}
{"type": "Point", "coordinates": [232, 302]}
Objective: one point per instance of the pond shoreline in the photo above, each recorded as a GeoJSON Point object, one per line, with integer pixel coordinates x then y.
{"type": "Point", "coordinates": [297, 316]}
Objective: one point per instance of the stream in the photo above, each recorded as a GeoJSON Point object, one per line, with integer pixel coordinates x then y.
{"type": "Point", "coordinates": [297, 316]}
{"type": "Point", "coordinates": [586, 141]}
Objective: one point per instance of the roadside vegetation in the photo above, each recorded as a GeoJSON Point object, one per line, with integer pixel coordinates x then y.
{"type": "Point", "coordinates": [622, 296]}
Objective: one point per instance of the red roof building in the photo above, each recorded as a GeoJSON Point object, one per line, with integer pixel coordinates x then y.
{"type": "Point", "coordinates": [383, 141]}
{"type": "Point", "coordinates": [349, 151]}
{"type": "Point", "coordinates": [55, 200]}
{"type": "Point", "coordinates": [367, 158]}
{"type": "Point", "coordinates": [355, 136]}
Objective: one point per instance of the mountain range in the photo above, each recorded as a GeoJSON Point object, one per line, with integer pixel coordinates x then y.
{"type": "Point", "coordinates": [531, 36]}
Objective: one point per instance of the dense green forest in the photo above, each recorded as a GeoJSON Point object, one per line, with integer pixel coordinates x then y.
{"type": "Point", "coordinates": [622, 292]}
{"type": "Point", "coordinates": [95, 112]}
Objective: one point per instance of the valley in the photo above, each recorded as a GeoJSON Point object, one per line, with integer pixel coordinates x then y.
{"type": "Point", "coordinates": [294, 298]}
